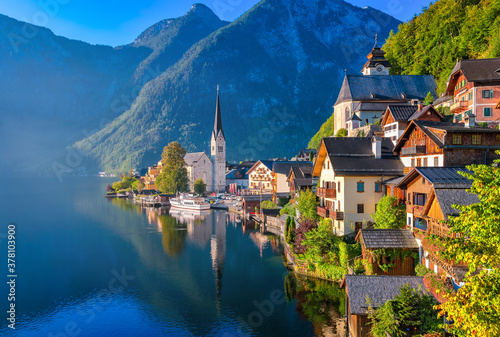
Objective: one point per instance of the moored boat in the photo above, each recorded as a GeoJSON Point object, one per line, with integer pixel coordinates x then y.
{"type": "Point", "coordinates": [193, 204]}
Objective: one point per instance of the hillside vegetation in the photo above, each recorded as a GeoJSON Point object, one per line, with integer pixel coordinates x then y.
{"type": "Point", "coordinates": [447, 30]}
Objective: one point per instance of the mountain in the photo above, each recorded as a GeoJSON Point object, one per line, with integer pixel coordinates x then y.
{"type": "Point", "coordinates": [447, 30]}
{"type": "Point", "coordinates": [279, 67]}
{"type": "Point", "coordinates": [55, 91]}
{"type": "Point", "coordinates": [68, 106]}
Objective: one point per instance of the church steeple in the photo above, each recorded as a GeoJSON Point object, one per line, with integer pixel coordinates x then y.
{"type": "Point", "coordinates": [218, 150]}
{"type": "Point", "coordinates": [377, 64]}
{"type": "Point", "coordinates": [218, 118]}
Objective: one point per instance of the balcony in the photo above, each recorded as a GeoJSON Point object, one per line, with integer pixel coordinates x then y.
{"type": "Point", "coordinates": [326, 193]}
{"type": "Point", "coordinates": [322, 212]}
{"type": "Point", "coordinates": [337, 215]}
{"type": "Point", "coordinates": [412, 150]}
{"type": "Point", "coordinates": [459, 106]}
{"type": "Point", "coordinates": [417, 210]}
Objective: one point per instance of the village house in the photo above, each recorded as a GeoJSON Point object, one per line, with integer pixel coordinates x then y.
{"type": "Point", "coordinates": [260, 177]}
{"type": "Point", "coordinates": [475, 88]}
{"type": "Point", "coordinates": [350, 172]}
{"type": "Point", "coordinates": [397, 117]}
{"type": "Point", "coordinates": [149, 179]}
{"type": "Point", "coordinates": [300, 179]}
{"type": "Point", "coordinates": [402, 241]}
{"type": "Point", "coordinates": [281, 169]}
{"type": "Point", "coordinates": [306, 155]}
{"type": "Point", "coordinates": [427, 143]}
{"type": "Point", "coordinates": [377, 290]}
{"type": "Point", "coordinates": [431, 193]}
{"type": "Point", "coordinates": [367, 96]}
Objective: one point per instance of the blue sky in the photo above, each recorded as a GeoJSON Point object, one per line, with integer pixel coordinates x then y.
{"type": "Point", "coordinates": [113, 22]}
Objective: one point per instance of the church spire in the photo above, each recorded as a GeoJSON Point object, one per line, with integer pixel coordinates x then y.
{"type": "Point", "coordinates": [218, 118]}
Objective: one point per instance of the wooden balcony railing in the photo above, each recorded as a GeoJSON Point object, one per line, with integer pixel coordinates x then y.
{"type": "Point", "coordinates": [417, 210]}
{"type": "Point", "coordinates": [322, 212]}
{"type": "Point", "coordinates": [459, 106]}
{"type": "Point", "coordinates": [326, 193]}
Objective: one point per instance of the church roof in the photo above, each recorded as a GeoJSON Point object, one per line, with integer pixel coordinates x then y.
{"type": "Point", "coordinates": [386, 88]}
{"type": "Point", "coordinates": [193, 157]}
{"type": "Point", "coordinates": [218, 118]}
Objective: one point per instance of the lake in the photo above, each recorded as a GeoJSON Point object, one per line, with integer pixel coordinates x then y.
{"type": "Point", "coordinates": [88, 266]}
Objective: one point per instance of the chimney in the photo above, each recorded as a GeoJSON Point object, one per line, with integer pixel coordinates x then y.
{"type": "Point", "coordinates": [377, 146]}
{"type": "Point", "coordinates": [470, 121]}
{"type": "Point", "coordinates": [420, 106]}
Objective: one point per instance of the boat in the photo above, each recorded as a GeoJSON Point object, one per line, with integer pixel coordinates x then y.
{"type": "Point", "coordinates": [188, 203]}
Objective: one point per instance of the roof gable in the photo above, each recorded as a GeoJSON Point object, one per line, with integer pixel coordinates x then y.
{"type": "Point", "coordinates": [194, 157]}
{"type": "Point", "coordinates": [439, 177]}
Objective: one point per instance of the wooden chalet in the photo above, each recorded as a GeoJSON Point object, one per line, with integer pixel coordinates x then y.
{"type": "Point", "coordinates": [300, 179]}
{"type": "Point", "coordinates": [397, 239]}
{"type": "Point", "coordinates": [396, 118]}
{"type": "Point", "coordinates": [378, 289]}
{"type": "Point", "coordinates": [427, 143]}
{"type": "Point", "coordinates": [431, 194]}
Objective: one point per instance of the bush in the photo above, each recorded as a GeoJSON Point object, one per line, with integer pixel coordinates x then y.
{"type": "Point", "coordinates": [421, 270]}
{"type": "Point", "coordinates": [342, 133]}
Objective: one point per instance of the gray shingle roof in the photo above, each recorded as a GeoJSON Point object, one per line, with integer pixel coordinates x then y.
{"type": "Point", "coordinates": [303, 176]}
{"type": "Point", "coordinates": [402, 112]}
{"type": "Point", "coordinates": [354, 156]}
{"type": "Point", "coordinates": [448, 197]}
{"type": "Point", "coordinates": [388, 238]}
{"type": "Point", "coordinates": [193, 157]}
{"type": "Point", "coordinates": [379, 289]}
{"type": "Point", "coordinates": [445, 177]}
{"type": "Point", "coordinates": [372, 106]}
{"type": "Point", "coordinates": [386, 87]}
{"type": "Point", "coordinates": [283, 167]}
{"type": "Point", "coordinates": [478, 70]}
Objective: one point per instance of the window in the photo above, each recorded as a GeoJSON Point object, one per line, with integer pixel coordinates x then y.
{"type": "Point", "coordinates": [470, 96]}
{"type": "Point", "coordinates": [436, 161]}
{"type": "Point", "coordinates": [378, 186]}
{"type": "Point", "coordinates": [361, 208]}
{"type": "Point", "coordinates": [425, 162]}
{"type": "Point", "coordinates": [361, 186]}
{"type": "Point", "coordinates": [423, 180]}
{"type": "Point", "coordinates": [476, 139]}
{"type": "Point", "coordinates": [456, 139]}
{"type": "Point", "coordinates": [487, 112]}
{"type": "Point", "coordinates": [419, 162]}
{"type": "Point", "coordinates": [221, 148]}
{"type": "Point", "coordinates": [459, 118]}
{"type": "Point", "coordinates": [327, 165]}
{"type": "Point", "coordinates": [420, 199]}
{"type": "Point", "coordinates": [487, 93]}
{"type": "Point", "coordinates": [338, 186]}
{"type": "Point", "coordinates": [409, 198]}
{"type": "Point", "coordinates": [413, 162]}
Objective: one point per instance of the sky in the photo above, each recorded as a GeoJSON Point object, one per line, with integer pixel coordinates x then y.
{"type": "Point", "coordinates": [119, 22]}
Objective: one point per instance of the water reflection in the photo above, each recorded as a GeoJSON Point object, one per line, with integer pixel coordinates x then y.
{"type": "Point", "coordinates": [320, 301]}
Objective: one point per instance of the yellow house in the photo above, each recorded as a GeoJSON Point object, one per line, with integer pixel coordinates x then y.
{"type": "Point", "coordinates": [350, 172]}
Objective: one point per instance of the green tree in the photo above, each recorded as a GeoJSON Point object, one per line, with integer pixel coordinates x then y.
{"type": "Point", "coordinates": [475, 308]}
{"type": "Point", "coordinates": [307, 205]}
{"type": "Point", "coordinates": [429, 98]}
{"type": "Point", "coordinates": [326, 130]}
{"type": "Point", "coordinates": [173, 177]}
{"type": "Point", "coordinates": [125, 184]}
{"type": "Point", "coordinates": [342, 133]}
{"type": "Point", "coordinates": [138, 185]}
{"type": "Point", "coordinates": [199, 186]}
{"type": "Point", "coordinates": [410, 311]}
{"type": "Point", "coordinates": [389, 214]}
{"type": "Point", "coordinates": [268, 204]}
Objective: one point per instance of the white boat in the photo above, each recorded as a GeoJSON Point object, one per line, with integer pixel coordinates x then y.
{"type": "Point", "coordinates": [192, 204]}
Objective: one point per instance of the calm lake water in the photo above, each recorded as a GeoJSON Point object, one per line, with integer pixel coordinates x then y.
{"type": "Point", "coordinates": [87, 266]}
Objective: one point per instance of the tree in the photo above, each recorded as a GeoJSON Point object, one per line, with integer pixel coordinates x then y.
{"type": "Point", "coordinates": [268, 204]}
{"type": "Point", "coordinates": [199, 186]}
{"type": "Point", "coordinates": [410, 311]}
{"type": "Point", "coordinates": [475, 308]}
{"type": "Point", "coordinates": [389, 214]}
{"type": "Point", "coordinates": [173, 177]}
{"type": "Point", "coordinates": [429, 98]}
{"type": "Point", "coordinates": [126, 183]}
{"type": "Point", "coordinates": [342, 133]}
{"type": "Point", "coordinates": [307, 204]}
{"type": "Point", "coordinates": [138, 185]}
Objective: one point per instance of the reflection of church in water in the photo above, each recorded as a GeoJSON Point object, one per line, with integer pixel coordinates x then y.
{"type": "Point", "coordinates": [208, 229]}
